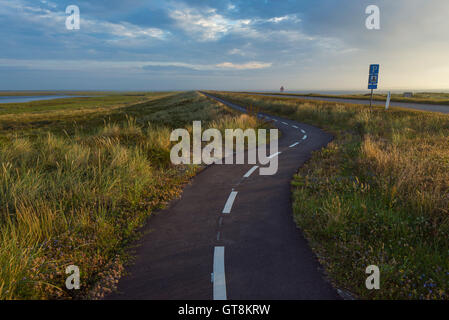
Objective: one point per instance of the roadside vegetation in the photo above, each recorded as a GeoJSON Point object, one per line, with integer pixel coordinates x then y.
{"type": "Point", "coordinates": [63, 92]}
{"type": "Point", "coordinates": [439, 98]}
{"type": "Point", "coordinates": [377, 195]}
{"type": "Point", "coordinates": [78, 177]}
{"type": "Point", "coordinates": [75, 104]}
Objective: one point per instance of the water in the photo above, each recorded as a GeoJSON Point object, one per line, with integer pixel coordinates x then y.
{"type": "Point", "coordinates": [21, 99]}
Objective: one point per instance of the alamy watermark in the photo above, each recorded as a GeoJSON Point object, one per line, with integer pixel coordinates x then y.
{"type": "Point", "coordinates": [73, 20]}
{"type": "Point", "coordinates": [373, 20]}
{"type": "Point", "coordinates": [373, 281]}
{"type": "Point", "coordinates": [190, 150]}
{"type": "Point", "coordinates": [73, 280]}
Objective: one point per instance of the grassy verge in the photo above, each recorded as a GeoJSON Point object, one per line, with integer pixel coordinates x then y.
{"type": "Point", "coordinates": [377, 195]}
{"type": "Point", "coordinates": [420, 97]}
{"type": "Point", "coordinates": [64, 92]}
{"type": "Point", "coordinates": [76, 183]}
{"type": "Point", "coordinates": [34, 108]}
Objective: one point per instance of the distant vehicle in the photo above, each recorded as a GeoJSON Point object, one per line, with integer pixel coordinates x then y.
{"type": "Point", "coordinates": [282, 89]}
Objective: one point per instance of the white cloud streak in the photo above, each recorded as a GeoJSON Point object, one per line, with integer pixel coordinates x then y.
{"type": "Point", "coordinates": [208, 25]}
{"type": "Point", "coordinates": [93, 65]}
{"type": "Point", "coordinates": [244, 66]}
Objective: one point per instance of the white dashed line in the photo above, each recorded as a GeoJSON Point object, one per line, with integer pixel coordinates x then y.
{"type": "Point", "coordinates": [275, 120]}
{"type": "Point", "coordinates": [294, 145]}
{"type": "Point", "coordinates": [295, 127]}
{"type": "Point", "coordinates": [274, 155]}
{"type": "Point", "coordinates": [285, 123]}
{"type": "Point", "coordinates": [218, 277]}
{"type": "Point", "coordinates": [303, 131]}
{"type": "Point", "coordinates": [250, 172]}
{"type": "Point", "coordinates": [304, 138]}
{"type": "Point", "coordinates": [230, 202]}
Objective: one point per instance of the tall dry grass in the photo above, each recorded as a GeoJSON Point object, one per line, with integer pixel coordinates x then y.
{"type": "Point", "coordinates": [77, 199]}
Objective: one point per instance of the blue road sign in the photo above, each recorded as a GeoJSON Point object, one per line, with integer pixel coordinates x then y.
{"type": "Point", "coordinates": [374, 69]}
{"type": "Point", "coordinates": [373, 79]}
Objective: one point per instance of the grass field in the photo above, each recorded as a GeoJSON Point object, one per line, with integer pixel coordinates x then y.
{"type": "Point", "coordinates": [64, 92]}
{"type": "Point", "coordinates": [418, 97]}
{"type": "Point", "coordinates": [79, 176]}
{"type": "Point", "coordinates": [76, 103]}
{"type": "Point", "coordinates": [377, 195]}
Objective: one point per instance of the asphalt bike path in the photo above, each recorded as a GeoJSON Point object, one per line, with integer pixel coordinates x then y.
{"type": "Point", "coordinates": [231, 235]}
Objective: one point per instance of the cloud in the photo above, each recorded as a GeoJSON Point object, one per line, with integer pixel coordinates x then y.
{"type": "Point", "coordinates": [237, 51]}
{"type": "Point", "coordinates": [208, 25]}
{"type": "Point", "coordinates": [244, 66]}
{"type": "Point", "coordinates": [52, 21]}
{"type": "Point", "coordinates": [290, 17]}
{"type": "Point", "coordinates": [135, 66]}
{"type": "Point", "coordinates": [231, 7]}
{"type": "Point", "coordinates": [123, 29]}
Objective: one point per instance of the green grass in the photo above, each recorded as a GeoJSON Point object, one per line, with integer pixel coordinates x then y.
{"type": "Point", "coordinates": [419, 97]}
{"type": "Point", "coordinates": [76, 183]}
{"type": "Point", "coordinates": [377, 195]}
{"type": "Point", "coordinates": [65, 92]}
{"type": "Point", "coordinates": [77, 103]}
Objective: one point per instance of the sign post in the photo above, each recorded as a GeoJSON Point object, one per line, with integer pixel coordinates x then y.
{"type": "Point", "coordinates": [387, 104]}
{"type": "Point", "coordinates": [373, 80]}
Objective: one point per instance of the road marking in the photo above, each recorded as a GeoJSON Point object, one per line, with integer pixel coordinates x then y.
{"type": "Point", "coordinates": [274, 155]}
{"type": "Point", "coordinates": [303, 131]}
{"type": "Point", "coordinates": [275, 120]}
{"type": "Point", "coordinates": [219, 274]}
{"type": "Point", "coordinates": [230, 202]}
{"type": "Point", "coordinates": [218, 236]}
{"type": "Point", "coordinates": [294, 145]}
{"type": "Point", "coordinates": [250, 172]}
{"type": "Point", "coordinates": [295, 127]}
{"type": "Point", "coordinates": [285, 123]}
{"type": "Point", "coordinates": [304, 138]}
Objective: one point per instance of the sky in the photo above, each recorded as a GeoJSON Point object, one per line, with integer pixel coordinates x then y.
{"type": "Point", "coordinates": [223, 45]}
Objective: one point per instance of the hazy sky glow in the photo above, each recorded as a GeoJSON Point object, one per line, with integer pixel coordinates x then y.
{"type": "Point", "coordinates": [221, 44]}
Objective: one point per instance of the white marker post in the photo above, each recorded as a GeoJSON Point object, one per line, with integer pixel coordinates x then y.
{"type": "Point", "coordinates": [387, 104]}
